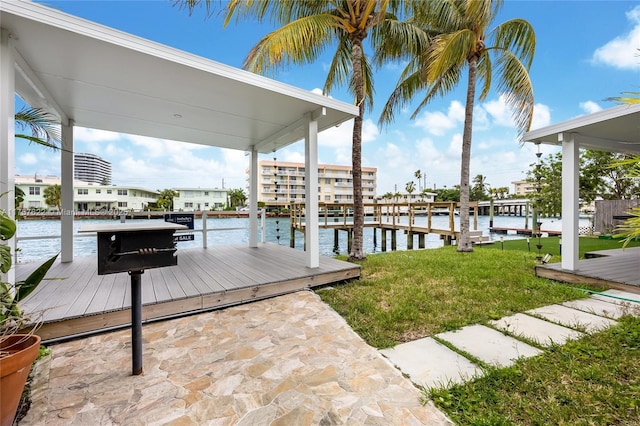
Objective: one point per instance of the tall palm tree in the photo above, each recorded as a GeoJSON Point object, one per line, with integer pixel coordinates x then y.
{"type": "Point", "coordinates": [53, 196]}
{"type": "Point", "coordinates": [311, 27]}
{"type": "Point", "coordinates": [465, 41]}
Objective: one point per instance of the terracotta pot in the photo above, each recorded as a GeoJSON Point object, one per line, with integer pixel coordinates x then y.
{"type": "Point", "coordinates": [18, 353]}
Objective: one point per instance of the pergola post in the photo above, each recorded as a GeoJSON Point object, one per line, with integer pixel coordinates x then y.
{"type": "Point", "coordinates": [66, 183]}
{"type": "Point", "coordinates": [253, 198]}
{"type": "Point", "coordinates": [7, 134]}
{"type": "Point", "coordinates": [312, 236]}
{"type": "Point", "coordinates": [570, 196]}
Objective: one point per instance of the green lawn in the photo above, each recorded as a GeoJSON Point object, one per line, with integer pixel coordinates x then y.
{"type": "Point", "coordinates": [551, 245]}
{"type": "Point", "coordinates": [407, 295]}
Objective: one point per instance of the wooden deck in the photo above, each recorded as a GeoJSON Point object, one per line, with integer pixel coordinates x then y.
{"type": "Point", "coordinates": [79, 301]}
{"type": "Point", "coordinates": [619, 269]}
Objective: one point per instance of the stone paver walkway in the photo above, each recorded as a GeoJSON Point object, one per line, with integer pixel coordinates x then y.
{"type": "Point", "coordinates": [290, 360]}
{"type": "Point", "coordinates": [431, 364]}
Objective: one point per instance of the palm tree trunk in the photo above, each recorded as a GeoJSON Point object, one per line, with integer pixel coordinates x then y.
{"type": "Point", "coordinates": [356, 252]}
{"type": "Point", "coordinates": [464, 243]}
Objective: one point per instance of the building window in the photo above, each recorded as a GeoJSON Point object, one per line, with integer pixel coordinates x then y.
{"type": "Point", "coordinates": [188, 205]}
{"type": "Point", "coordinates": [327, 197]}
{"type": "Point", "coordinates": [206, 204]}
{"type": "Point", "coordinates": [83, 191]}
{"type": "Point", "coordinates": [34, 190]}
{"type": "Point", "coordinates": [122, 192]}
{"type": "Point", "coordinates": [206, 194]}
{"type": "Point", "coordinates": [327, 181]}
{"type": "Point", "coordinates": [98, 191]}
{"type": "Point", "coordinates": [109, 191]}
{"type": "Point", "coordinates": [122, 204]}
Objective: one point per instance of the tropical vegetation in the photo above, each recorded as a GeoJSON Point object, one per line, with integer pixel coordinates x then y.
{"type": "Point", "coordinates": [165, 199]}
{"type": "Point", "coordinates": [309, 28]}
{"type": "Point", "coordinates": [237, 197]}
{"type": "Point", "coordinates": [463, 40]}
{"type": "Point", "coordinates": [43, 127]}
{"type": "Point", "coordinates": [53, 196]}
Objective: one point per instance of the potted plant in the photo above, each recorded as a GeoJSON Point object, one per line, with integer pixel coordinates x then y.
{"type": "Point", "coordinates": [19, 346]}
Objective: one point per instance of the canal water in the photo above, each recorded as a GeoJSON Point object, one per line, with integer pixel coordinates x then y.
{"type": "Point", "coordinates": [235, 231]}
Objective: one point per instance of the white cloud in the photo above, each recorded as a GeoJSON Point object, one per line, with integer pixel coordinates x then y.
{"type": "Point", "coordinates": [94, 135]}
{"type": "Point", "coordinates": [622, 51]}
{"type": "Point", "coordinates": [437, 123]}
{"type": "Point", "coordinates": [499, 112]}
{"type": "Point", "coordinates": [343, 134]}
{"type": "Point", "coordinates": [28, 159]}
{"type": "Point", "coordinates": [541, 116]}
{"type": "Point", "coordinates": [590, 107]}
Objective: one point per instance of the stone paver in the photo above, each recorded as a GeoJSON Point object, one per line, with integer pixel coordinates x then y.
{"type": "Point", "coordinates": [290, 360]}
{"type": "Point", "coordinates": [489, 345]}
{"type": "Point", "coordinates": [573, 318]}
{"type": "Point", "coordinates": [431, 364]}
{"type": "Point", "coordinates": [540, 331]}
{"type": "Point", "coordinates": [602, 308]}
{"type": "Point", "coordinates": [619, 296]}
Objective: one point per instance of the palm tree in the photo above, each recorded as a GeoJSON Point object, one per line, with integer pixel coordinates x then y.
{"type": "Point", "coordinates": [464, 41]}
{"type": "Point", "coordinates": [418, 175]}
{"type": "Point", "coordinates": [53, 196]}
{"type": "Point", "coordinates": [308, 29]}
{"type": "Point", "coordinates": [165, 199]}
{"type": "Point", "coordinates": [410, 187]}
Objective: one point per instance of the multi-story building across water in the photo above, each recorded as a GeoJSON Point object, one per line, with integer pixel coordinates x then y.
{"type": "Point", "coordinates": [89, 196]}
{"type": "Point", "coordinates": [281, 183]}
{"type": "Point", "coordinates": [91, 168]}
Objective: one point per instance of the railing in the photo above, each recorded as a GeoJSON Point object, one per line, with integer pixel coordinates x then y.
{"type": "Point", "coordinates": [204, 231]}
{"type": "Point", "coordinates": [390, 213]}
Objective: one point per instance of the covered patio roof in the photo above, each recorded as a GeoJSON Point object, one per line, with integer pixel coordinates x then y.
{"type": "Point", "coordinates": [615, 129]}
{"type": "Point", "coordinates": [106, 79]}
{"type": "Point", "coordinates": [94, 76]}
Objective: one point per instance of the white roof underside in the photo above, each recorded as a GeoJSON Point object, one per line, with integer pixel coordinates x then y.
{"type": "Point", "coordinates": [615, 130]}
{"type": "Point", "coordinates": [106, 79]}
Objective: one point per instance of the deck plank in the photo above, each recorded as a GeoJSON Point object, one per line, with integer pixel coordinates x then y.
{"type": "Point", "coordinates": [85, 302]}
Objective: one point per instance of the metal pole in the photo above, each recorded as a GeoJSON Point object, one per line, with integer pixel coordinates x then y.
{"type": "Point", "coordinates": [136, 322]}
{"type": "Point", "coordinates": [204, 229]}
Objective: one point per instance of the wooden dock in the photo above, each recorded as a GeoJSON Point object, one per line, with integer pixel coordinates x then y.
{"type": "Point", "coordinates": [413, 219]}
{"type": "Point", "coordinates": [78, 301]}
{"type": "Point", "coordinates": [619, 269]}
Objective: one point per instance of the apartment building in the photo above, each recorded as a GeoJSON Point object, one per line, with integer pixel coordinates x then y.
{"type": "Point", "coordinates": [523, 187]}
{"type": "Point", "coordinates": [197, 199]}
{"type": "Point", "coordinates": [89, 196]}
{"type": "Point", "coordinates": [91, 168]}
{"type": "Point", "coordinates": [281, 183]}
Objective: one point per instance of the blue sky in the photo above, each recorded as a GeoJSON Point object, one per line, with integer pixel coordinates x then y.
{"type": "Point", "coordinates": [586, 51]}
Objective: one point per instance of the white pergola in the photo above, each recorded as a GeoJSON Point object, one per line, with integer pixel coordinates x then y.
{"type": "Point", "coordinates": [93, 76]}
{"type": "Point", "coordinates": [615, 130]}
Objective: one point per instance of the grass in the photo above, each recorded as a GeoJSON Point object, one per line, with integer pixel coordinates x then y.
{"type": "Point", "coordinates": [551, 245]}
{"type": "Point", "coordinates": [407, 295]}
{"type": "Point", "coordinates": [592, 381]}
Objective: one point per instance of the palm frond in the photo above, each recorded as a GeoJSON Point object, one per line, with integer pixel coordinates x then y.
{"type": "Point", "coordinates": [297, 42]}
{"type": "Point", "coordinates": [518, 37]}
{"type": "Point", "coordinates": [515, 83]}
{"type": "Point", "coordinates": [42, 125]}
{"type": "Point", "coordinates": [485, 74]}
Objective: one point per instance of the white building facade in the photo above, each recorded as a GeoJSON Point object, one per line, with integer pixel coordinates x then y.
{"type": "Point", "coordinates": [281, 183]}
{"type": "Point", "coordinates": [89, 196]}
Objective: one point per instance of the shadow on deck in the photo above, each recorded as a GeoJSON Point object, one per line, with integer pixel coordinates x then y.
{"type": "Point", "coordinates": [78, 301]}
{"type": "Point", "coordinates": [619, 269]}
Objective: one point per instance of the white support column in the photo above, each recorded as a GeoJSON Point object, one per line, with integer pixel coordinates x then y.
{"type": "Point", "coordinates": [570, 194]}
{"type": "Point", "coordinates": [311, 192]}
{"type": "Point", "coordinates": [66, 182]}
{"type": "Point", "coordinates": [253, 199]}
{"type": "Point", "coordinates": [7, 134]}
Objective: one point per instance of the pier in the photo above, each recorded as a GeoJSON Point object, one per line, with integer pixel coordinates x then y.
{"type": "Point", "coordinates": [413, 219]}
